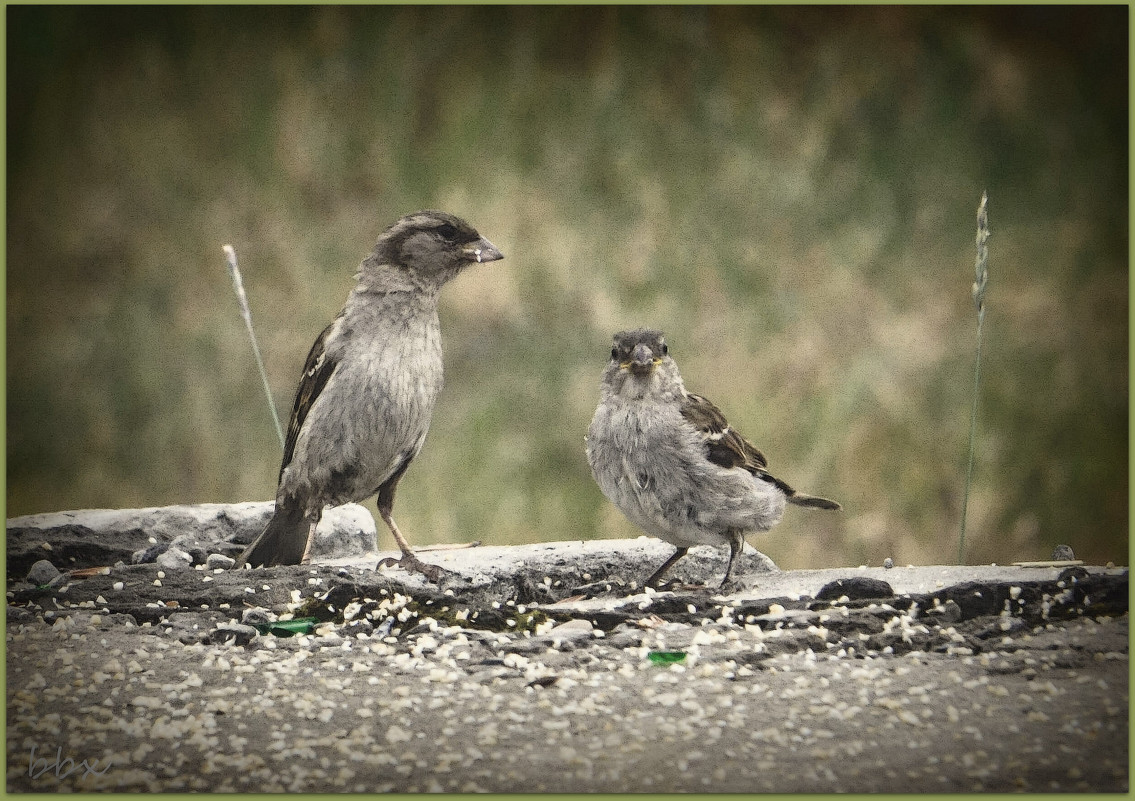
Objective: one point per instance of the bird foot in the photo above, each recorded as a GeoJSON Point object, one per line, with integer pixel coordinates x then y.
{"type": "Point", "coordinates": [732, 585]}
{"type": "Point", "coordinates": [412, 564]}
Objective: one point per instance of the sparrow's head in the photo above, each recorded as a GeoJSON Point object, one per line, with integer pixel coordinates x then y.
{"type": "Point", "coordinates": [430, 247]}
{"type": "Point", "coordinates": [641, 365]}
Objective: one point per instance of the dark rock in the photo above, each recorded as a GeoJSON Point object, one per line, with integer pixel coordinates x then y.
{"type": "Point", "coordinates": [974, 598]}
{"type": "Point", "coordinates": [42, 573]}
{"type": "Point", "coordinates": [855, 588]}
{"type": "Point", "coordinates": [946, 613]}
{"type": "Point", "coordinates": [232, 633]}
{"type": "Point", "coordinates": [1074, 573]}
{"type": "Point", "coordinates": [149, 554]}
{"type": "Point", "coordinates": [340, 594]}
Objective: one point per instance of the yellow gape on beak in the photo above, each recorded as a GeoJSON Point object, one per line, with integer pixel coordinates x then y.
{"type": "Point", "coordinates": [642, 360]}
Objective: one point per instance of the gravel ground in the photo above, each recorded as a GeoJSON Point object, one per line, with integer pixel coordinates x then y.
{"type": "Point", "coordinates": [564, 694]}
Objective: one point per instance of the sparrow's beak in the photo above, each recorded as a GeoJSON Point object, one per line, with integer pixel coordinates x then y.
{"type": "Point", "coordinates": [642, 360]}
{"type": "Point", "coordinates": [482, 250]}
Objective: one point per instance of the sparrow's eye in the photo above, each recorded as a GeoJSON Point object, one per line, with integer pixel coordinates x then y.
{"type": "Point", "coordinates": [447, 232]}
{"type": "Point", "coordinates": [665, 349]}
{"type": "Point", "coordinates": [614, 353]}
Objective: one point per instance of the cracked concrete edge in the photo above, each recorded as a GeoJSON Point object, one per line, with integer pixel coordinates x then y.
{"type": "Point", "coordinates": [486, 569]}
{"type": "Point", "coordinates": [105, 536]}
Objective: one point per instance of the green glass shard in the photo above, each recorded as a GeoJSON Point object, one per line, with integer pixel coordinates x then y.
{"type": "Point", "coordinates": [288, 628]}
{"type": "Point", "coordinates": [666, 657]}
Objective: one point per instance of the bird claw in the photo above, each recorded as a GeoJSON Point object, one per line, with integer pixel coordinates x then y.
{"type": "Point", "coordinates": [412, 564]}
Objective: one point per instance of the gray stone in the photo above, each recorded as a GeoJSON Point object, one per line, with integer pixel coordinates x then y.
{"type": "Point", "coordinates": [218, 561]}
{"type": "Point", "coordinates": [174, 559]}
{"type": "Point", "coordinates": [572, 629]}
{"type": "Point", "coordinates": [42, 573]}
{"type": "Point", "coordinates": [1063, 553]}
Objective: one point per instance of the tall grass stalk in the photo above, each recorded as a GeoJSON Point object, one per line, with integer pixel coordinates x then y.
{"type": "Point", "coordinates": [981, 271]}
{"type": "Point", "coordinates": [246, 313]}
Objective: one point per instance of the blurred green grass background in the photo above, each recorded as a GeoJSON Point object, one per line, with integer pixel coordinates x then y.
{"type": "Point", "coordinates": [788, 192]}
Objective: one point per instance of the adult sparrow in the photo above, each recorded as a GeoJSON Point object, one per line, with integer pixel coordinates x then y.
{"type": "Point", "coordinates": [368, 388]}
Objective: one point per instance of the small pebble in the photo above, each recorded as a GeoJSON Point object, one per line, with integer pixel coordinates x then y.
{"type": "Point", "coordinates": [218, 561]}
{"type": "Point", "coordinates": [256, 616]}
{"type": "Point", "coordinates": [1063, 553]}
{"type": "Point", "coordinates": [888, 563]}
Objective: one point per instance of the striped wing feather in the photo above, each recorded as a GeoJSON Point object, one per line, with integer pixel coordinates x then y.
{"type": "Point", "coordinates": [724, 446]}
{"type": "Point", "coordinates": [316, 372]}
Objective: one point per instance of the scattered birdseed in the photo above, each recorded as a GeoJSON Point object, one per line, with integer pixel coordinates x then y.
{"type": "Point", "coordinates": [756, 705]}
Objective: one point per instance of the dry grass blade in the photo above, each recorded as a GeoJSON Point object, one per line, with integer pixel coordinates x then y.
{"type": "Point", "coordinates": [246, 313]}
{"type": "Point", "coordinates": [981, 272]}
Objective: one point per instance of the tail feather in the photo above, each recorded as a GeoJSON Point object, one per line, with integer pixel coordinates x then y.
{"type": "Point", "coordinates": [283, 540]}
{"type": "Point", "coordinates": [813, 501]}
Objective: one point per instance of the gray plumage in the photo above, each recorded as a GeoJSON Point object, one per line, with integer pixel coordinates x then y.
{"type": "Point", "coordinates": [369, 385]}
{"type": "Point", "coordinates": [669, 460]}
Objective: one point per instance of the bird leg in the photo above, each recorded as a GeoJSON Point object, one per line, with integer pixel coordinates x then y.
{"type": "Point", "coordinates": [306, 558]}
{"type": "Point", "coordinates": [736, 545]}
{"type": "Point", "coordinates": [678, 554]}
{"type": "Point", "coordinates": [408, 562]}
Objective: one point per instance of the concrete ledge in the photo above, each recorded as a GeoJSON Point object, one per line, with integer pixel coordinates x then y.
{"type": "Point", "coordinates": [547, 668]}
{"type": "Point", "coordinates": [95, 537]}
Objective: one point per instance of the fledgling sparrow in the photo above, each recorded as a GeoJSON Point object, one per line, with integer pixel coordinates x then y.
{"type": "Point", "coordinates": [670, 461]}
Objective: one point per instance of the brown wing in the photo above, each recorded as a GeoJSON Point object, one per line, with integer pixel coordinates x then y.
{"type": "Point", "coordinates": [725, 447]}
{"type": "Point", "coordinates": [316, 371]}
